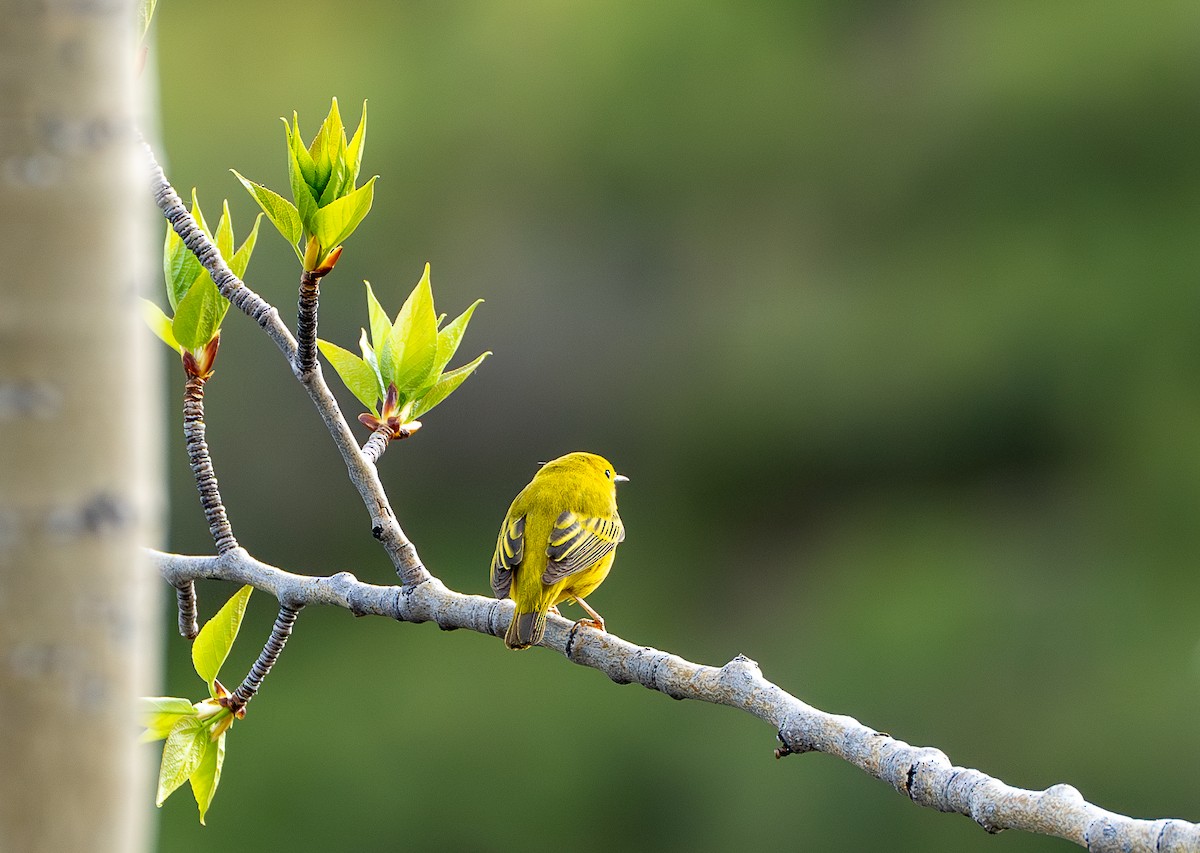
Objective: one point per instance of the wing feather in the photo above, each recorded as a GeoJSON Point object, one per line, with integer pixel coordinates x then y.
{"type": "Point", "coordinates": [510, 549]}
{"type": "Point", "coordinates": [579, 542]}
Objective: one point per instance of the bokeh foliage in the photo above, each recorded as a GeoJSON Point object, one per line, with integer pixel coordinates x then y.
{"type": "Point", "coordinates": [891, 314]}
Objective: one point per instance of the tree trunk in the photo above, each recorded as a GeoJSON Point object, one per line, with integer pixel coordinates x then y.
{"type": "Point", "coordinates": [78, 621]}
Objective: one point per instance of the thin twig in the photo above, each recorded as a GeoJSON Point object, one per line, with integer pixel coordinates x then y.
{"type": "Point", "coordinates": [377, 443]}
{"type": "Point", "coordinates": [306, 322]}
{"type": "Point", "coordinates": [280, 631]}
{"type": "Point", "coordinates": [185, 599]}
{"type": "Point", "coordinates": [923, 774]}
{"type": "Point", "coordinates": [210, 495]}
{"type": "Point", "coordinates": [202, 467]}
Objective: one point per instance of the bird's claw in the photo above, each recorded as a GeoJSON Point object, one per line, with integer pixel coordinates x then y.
{"type": "Point", "coordinates": [590, 623]}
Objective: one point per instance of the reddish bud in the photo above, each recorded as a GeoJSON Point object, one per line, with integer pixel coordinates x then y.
{"type": "Point", "coordinates": [199, 363]}
{"type": "Point", "coordinates": [390, 402]}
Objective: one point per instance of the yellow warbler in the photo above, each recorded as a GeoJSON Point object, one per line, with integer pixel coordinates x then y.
{"type": "Point", "coordinates": [557, 543]}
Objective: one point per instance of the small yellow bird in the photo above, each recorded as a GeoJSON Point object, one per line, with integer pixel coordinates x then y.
{"type": "Point", "coordinates": [557, 543]}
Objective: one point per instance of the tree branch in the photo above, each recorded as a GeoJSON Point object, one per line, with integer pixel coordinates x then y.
{"type": "Point", "coordinates": [361, 471]}
{"type": "Point", "coordinates": [202, 467]}
{"type": "Point", "coordinates": [923, 774]}
{"type": "Point", "coordinates": [306, 321]}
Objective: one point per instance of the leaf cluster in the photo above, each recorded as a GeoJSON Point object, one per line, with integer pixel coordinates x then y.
{"type": "Point", "coordinates": [195, 732]}
{"type": "Point", "coordinates": [402, 372]}
{"type": "Point", "coordinates": [197, 304]}
{"type": "Point", "coordinates": [327, 205]}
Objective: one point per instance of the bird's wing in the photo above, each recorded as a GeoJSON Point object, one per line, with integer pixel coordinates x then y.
{"type": "Point", "coordinates": [578, 542]}
{"type": "Point", "coordinates": [510, 548]}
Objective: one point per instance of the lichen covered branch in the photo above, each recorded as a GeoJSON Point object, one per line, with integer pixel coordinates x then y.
{"type": "Point", "coordinates": [923, 774]}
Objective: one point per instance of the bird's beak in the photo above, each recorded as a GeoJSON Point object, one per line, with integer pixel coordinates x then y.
{"type": "Point", "coordinates": [620, 478]}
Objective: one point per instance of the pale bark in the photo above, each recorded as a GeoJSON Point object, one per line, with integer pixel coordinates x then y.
{"type": "Point", "coordinates": [78, 621]}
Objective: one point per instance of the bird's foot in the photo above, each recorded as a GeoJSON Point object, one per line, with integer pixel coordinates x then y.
{"type": "Point", "coordinates": [590, 623]}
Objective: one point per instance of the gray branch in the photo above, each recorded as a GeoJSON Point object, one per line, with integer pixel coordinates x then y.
{"type": "Point", "coordinates": [923, 774]}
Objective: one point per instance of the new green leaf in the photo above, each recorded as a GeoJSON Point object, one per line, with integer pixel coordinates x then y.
{"type": "Point", "coordinates": [446, 386]}
{"type": "Point", "coordinates": [450, 337]}
{"type": "Point", "coordinates": [358, 376]}
{"type": "Point", "coordinates": [368, 355]}
{"type": "Point", "coordinates": [207, 774]}
{"type": "Point", "coordinates": [300, 155]}
{"type": "Point", "coordinates": [302, 193]}
{"type": "Point", "coordinates": [338, 219]}
{"type": "Point", "coordinates": [408, 356]}
{"type": "Point", "coordinates": [180, 268]}
{"type": "Point", "coordinates": [354, 150]}
{"type": "Point", "coordinates": [241, 258]}
{"type": "Point", "coordinates": [279, 210]}
{"type": "Point", "coordinates": [145, 13]}
{"type": "Point", "coordinates": [161, 714]}
{"type": "Point", "coordinates": [182, 754]}
{"type": "Point", "coordinates": [224, 235]}
{"type": "Point", "coordinates": [381, 325]}
{"type": "Point", "coordinates": [212, 644]}
{"type": "Point", "coordinates": [199, 314]}
{"type": "Point", "coordinates": [159, 323]}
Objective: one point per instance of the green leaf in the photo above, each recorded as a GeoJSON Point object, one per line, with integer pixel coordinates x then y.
{"type": "Point", "coordinates": [160, 324]}
{"type": "Point", "coordinates": [354, 151]}
{"type": "Point", "coordinates": [357, 375]}
{"type": "Point", "coordinates": [446, 386]}
{"type": "Point", "coordinates": [407, 357]}
{"type": "Point", "coordinates": [372, 361]}
{"type": "Point", "coordinates": [180, 267]}
{"type": "Point", "coordinates": [212, 644]}
{"type": "Point", "coordinates": [198, 216]}
{"type": "Point", "coordinates": [307, 167]}
{"type": "Point", "coordinates": [338, 176]}
{"type": "Point", "coordinates": [279, 210]}
{"type": "Point", "coordinates": [160, 714]}
{"type": "Point", "coordinates": [241, 258]}
{"type": "Point", "coordinates": [302, 193]}
{"type": "Point", "coordinates": [224, 236]}
{"type": "Point", "coordinates": [450, 337]}
{"type": "Point", "coordinates": [380, 324]}
{"type": "Point", "coordinates": [324, 147]}
{"type": "Point", "coordinates": [199, 315]}
{"type": "Point", "coordinates": [181, 756]}
{"type": "Point", "coordinates": [145, 13]}
{"type": "Point", "coordinates": [337, 220]}
{"type": "Point", "coordinates": [207, 774]}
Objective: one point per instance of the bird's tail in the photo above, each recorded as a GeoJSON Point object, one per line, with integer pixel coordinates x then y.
{"type": "Point", "coordinates": [525, 630]}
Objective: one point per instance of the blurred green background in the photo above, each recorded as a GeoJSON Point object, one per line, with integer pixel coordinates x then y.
{"type": "Point", "coordinates": [889, 312]}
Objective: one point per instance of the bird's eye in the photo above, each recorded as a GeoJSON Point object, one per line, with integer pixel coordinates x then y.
{"type": "Point", "coordinates": [608, 473]}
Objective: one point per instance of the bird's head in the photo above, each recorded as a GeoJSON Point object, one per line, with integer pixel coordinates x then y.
{"type": "Point", "coordinates": [589, 464]}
